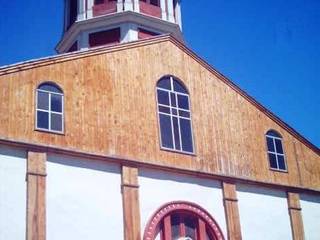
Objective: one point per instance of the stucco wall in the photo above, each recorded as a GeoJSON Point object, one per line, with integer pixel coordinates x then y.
{"type": "Point", "coordinates": [263, 213]}
{"type": "Point", "coordinates": [83, 200]}
{"type": "Point", "coordinates": [158, 188]}
{"type": "Point", "coordinates": [311, 216]}
{"type": "Point", "coordinates": [12, 193]}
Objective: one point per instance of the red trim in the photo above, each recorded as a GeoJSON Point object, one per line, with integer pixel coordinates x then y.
{"type": "Point", "coordinates": [164, 212]}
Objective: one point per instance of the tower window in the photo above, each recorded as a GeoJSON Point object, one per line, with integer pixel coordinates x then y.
{"type": "Point", "coordinates": [104, 37]}
{"type": "Point", "coordinates": [174, 115]}
{"type": "Point", "coordinates": [49, 111]}
{"type": "Point", "coordinates": [275, 151]}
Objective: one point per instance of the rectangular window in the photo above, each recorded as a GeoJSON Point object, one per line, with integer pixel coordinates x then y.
{"type": "Point", "coordinates": [104, 37]}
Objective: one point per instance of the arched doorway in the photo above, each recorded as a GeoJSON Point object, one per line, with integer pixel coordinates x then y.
{"type": "Point", "coordinates": [182, 220]}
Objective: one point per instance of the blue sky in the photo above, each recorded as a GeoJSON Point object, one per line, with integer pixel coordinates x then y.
{"type": "Point", "coordinates": [271, 49]}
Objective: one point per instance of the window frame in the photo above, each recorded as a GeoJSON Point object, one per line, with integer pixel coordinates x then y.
{"type": "Point", "coordinates": [162, 218]}
{"type": "Point", "coordinates": [173, 78]}
{"type": "Point", "coordinates": [49, 130]}
{"type": "Point", "coordinates": [279, 137]}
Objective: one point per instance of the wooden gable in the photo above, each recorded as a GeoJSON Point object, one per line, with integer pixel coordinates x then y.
{"type": "Point", "coordinates": [110, 111]}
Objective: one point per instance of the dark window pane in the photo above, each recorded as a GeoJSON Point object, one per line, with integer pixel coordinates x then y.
{"type": "Point", "coordinates": [273, 133]}
{"type": "Point", "coordinates": [163, 97]}
{"type": "Point", "coordinates": [174, 111]}
{"type": "Point", "coordinates": [184, 114]}
{"type": "Point", "coordinates": [164, 109]}
{"type": "Point", "coordinates": [50, 88]}
{"type": "Point", "coordinates": [190, 225]}
{"type": "Point", "coordinates": [183, 102]}
{"type": "Point", "coordinates": [272, 160]}
{"type": "Point", "coordinates": [178, 87]}
{"type": "Point", "coordinates": [270, 144]}
{"type": "Point", "coordinates": [281, 163]}
{"type": "Point", "coordinates": [176, 133]}
{"type": "Point", "coordinates": [164, 83]}
{"type": "Point", "coordinates": [56, 103]}
{"type": "Point", "coordinates": [279, 146]}
{"type": "Point", "coordinates": [56, 122]}
{"type": "Point", "coordinates": [186, 135]}
{"type": "Point", "coordinates": [154, 2]}
{"type": "Point", "coordinates": [175, 226]}
{"type": "Point", "coordinates": [166, 131]}
{"type": "Point", "coordinates": [42, 120]}
{"type": "Point", "coordinates": [173, 99]}
{"type": "Point", "coordinates": [43, 100]}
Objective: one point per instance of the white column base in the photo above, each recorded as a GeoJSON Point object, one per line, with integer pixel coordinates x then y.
{"type": "Point", "coordinates": [129, 33]}
{"type": "Point", "coordinates": [163, 10]}
{"type": "Point", "coordinates": [136, 6]}
{"type": "Point", "coordinates": [128, 6]}
{"type": "Point", "coordinates": [120, 6]}
{"type": "Point", "coordinates": [89, 8]}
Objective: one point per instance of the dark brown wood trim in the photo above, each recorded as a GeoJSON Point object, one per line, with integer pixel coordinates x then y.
{"type": "Point", "coordinates": [29, 146]}
{"type": "Point", "coordinates": [231, 209]}
{"type": "Point", "coordinates": [130, 202]}
{"type": "Point", "coordinates": [36, 197]}
{"type": "Point", "coordinates": [296, 221]}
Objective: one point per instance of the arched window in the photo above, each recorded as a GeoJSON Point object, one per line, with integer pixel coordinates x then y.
{"type": "Point", "coordinates": [275, 151]}
{"type": "Point", "coordinates": [174, 115]}
{"type": "Point", "coordinates": [182, 220]}
{"type": "Point", "coordinates": [49, 108]}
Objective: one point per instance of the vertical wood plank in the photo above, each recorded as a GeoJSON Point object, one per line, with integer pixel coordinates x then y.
{"type": "Point", "coordinates": [231, 211]}
{"type": "Point", "coordinates": [130, 201]}
{"type": "Point", "coordinates": [36, 197]}
{"type": "Point", "coordinates": [295, 216]}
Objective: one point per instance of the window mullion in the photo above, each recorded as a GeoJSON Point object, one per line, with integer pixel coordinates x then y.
{"type": "Point", "coordinates": [49, 112]}
{"type": "Point", "coordinates": [275, 150]}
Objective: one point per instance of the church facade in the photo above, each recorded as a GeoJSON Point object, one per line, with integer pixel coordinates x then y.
{"type": "Point", "coordinates": [128, 134]}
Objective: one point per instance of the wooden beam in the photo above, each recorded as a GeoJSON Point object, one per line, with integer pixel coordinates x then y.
{"type": "Point", "coordinates": [36, 198]}
{"type": "Point", "coordinates": [130, 201]}
{"type": "Point", "coordinates": [295, 216]}
{"type": "Point", "coordinates": [230, 202]}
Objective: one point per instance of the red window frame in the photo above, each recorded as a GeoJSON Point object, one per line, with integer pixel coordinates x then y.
{"type": "Point", "coordinates": [160, 222]}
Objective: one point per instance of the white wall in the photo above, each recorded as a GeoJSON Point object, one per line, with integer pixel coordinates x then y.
{"type": "Point", "coordinates": [311, 216]}
{"type": "Point", "coordinates": [83, 199]}
{"type": "Point", "coordinates": [12, 193]}
{"type": "Point", "coordinates": [158, 188]}
{"type": "Point", "coordinates": [263, 213]}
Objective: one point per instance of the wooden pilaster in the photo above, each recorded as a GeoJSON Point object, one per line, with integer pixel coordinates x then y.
{"type": "Point", "coordinates": [295, 216]}
{"type": "Point", "coordinates": [130, 201]}
{"type": "Point", "coordinates": [36, 198]}
{"type": "Point", "coordinates": [230, 202]}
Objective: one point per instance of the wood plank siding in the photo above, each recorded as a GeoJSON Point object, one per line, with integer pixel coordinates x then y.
{"type": "Point", "coordinates": [110, 109]}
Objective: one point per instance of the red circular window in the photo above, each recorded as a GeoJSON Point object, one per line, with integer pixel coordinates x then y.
{"type": "Point", "coordinates": [182, 221]}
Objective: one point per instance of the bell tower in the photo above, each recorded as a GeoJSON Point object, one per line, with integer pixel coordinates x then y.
{"type": "Point", "coordinates": [93, 23]}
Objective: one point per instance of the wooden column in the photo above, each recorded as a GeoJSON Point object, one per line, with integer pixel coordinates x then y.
{"type": "Point", "coordinates": [295, 216]}
{"type": "Point", "coordinates": [36, 197]}
{"type": "Point", "coordinates": [231, 209]}
{"type": "Point", "coordinates": [130, 200]}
